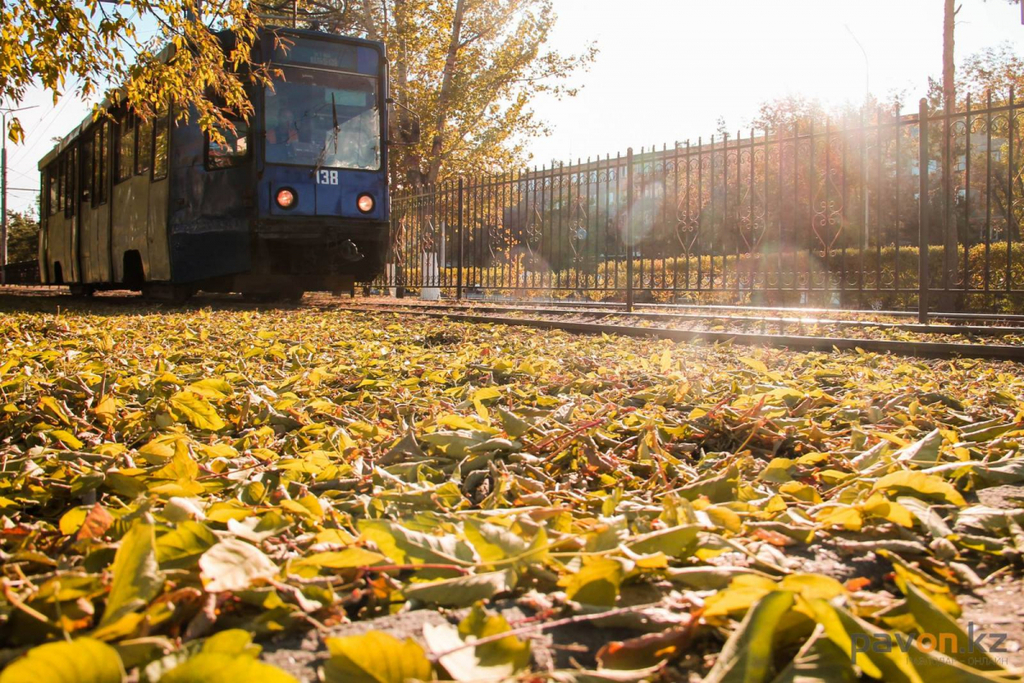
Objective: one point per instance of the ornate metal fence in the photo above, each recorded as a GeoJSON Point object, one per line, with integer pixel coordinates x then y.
{"type": "Point", "coordinates": [830, 215]}
{"type": "Point", "coordinates": [23, 273]}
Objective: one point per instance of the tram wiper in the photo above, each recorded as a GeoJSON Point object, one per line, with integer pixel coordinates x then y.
{"type": "Point", "coordinates": [334, 139]}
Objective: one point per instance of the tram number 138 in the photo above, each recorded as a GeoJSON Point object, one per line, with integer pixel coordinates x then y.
{"type": "Point", "coordinates": [327, 178]}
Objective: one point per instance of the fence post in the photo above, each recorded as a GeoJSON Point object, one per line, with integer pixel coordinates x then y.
{"type": "Point", "coordinates": [458, 270]}
{"type": "Point", "coordinates": [629, 230]}
{"type": "Point", "coordinates": [923, 277]}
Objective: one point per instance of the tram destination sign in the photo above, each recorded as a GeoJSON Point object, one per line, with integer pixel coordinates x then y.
{"type": "Point", "coordinates": [320, 53]}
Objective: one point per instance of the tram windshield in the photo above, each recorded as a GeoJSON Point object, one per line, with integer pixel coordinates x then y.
{"type": "Point", "coordinates": [324, 119]}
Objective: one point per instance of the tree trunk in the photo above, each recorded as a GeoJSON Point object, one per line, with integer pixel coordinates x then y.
{"type": "Point", "coordinates": [948, 66]}
{"type": "Point", "coordinates": [368, 23]}
{"type": "Point", "coordinates": [405, 164]}
{"type": "Point", "coordinates": [437, 147]}
{"type": "Point", "coordinates": [401, 60]}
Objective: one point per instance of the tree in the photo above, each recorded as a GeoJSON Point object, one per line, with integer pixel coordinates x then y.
{"type": "Point", "coordinates": [1021, 4]}
{"type": "Point", "coordinates": [469, 69]}
{"type": "Point", "coordinates": [994, 72]}
{"type": "Point", "coordinates": [787, 110]}
{"type": "Point", "coordinates": [22, 236]}
{"type": "Point", "coordinates": [995, 69]}
{"type": "Point", "coordinates": [948, 64]}
{"type": "Point", "coordinates": [87, 46]}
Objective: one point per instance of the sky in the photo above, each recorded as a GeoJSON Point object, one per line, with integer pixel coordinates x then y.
{"type": "Point", "coordinates": [669, 69]}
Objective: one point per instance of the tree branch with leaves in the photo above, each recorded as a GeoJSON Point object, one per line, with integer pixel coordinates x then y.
{"type": "Point", "coordinates": [88, 47]}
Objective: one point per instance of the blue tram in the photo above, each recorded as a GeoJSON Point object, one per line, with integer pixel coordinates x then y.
{"type": "Point", "coordinates": [294, 200]}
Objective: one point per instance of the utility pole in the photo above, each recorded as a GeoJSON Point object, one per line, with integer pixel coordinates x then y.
{"type": "Point", "coordinates": [867, 98]}
{"type": "Point", "coordinates": [867, 66]}
{"type": "Point", "coordinates": [3, 191]}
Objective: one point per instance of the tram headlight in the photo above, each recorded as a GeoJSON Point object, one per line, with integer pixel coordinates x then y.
{"type": "Point", "coordinates": [365, 203]}
{"type": "Point", "coordinates": [286, 198]}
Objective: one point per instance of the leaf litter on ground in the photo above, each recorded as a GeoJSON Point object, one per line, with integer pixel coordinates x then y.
{"type": "Point", "coordinates": [177, 486]}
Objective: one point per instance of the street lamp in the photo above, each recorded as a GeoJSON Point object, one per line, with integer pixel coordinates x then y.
{"type": "Point", "coordinates": [867, 67]}
{"type": "Point", "coordinates": [867, 95]}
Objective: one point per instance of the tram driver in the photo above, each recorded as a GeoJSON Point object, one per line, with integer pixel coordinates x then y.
{"type": "Point", "coordinates": [287, 129]}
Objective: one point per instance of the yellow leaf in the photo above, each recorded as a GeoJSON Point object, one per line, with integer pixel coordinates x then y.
{"type": "Point", "coordinates": [596, 583]}
{"type": "Point", "coordinates": [50, 405]}
{"type": "Point", "coordinates": [845, 516]}
{"type": "Point", "coordinates": [196, 410]}
{"type": "Point", "coordinates": [106, 409]}
{"type": "Point", "coordinates": [67, 438]}
{"type": "Point", "coordinates": [928, 486]}
{"type": "Point", "coordinates": [754, 364]}
{"type": "Point", "coordinates": [742, 592]}
{"type": "Point", "coordinates": [878, 506]}
{"type": "Point", "coordinates": [486, 393]}
{"type": "Point", "coordinates": [801, 492]}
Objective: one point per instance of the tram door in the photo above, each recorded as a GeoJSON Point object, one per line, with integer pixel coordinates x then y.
{"type": "Point", "coordinates": [93, 222]}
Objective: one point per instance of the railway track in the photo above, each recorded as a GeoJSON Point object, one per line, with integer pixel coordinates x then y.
{"type": "Point", "coordinates": [796, 342]}
{"type": "Point", "coordinates": [789, 332]}
{"type": "Point", "coordinates": [709, 315]}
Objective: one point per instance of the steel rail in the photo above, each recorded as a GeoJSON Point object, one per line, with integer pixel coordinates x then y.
{"type": "Point", "coordinates": [794, 342]}
{"type": "Point", "coordinates": [658, 311]}
{"type": "Point", "coordinates": [1008, 317]}
{"type": "Point", "coordinates": [943, 350]}
{"type": "Point", "coordinates": [938, 328]}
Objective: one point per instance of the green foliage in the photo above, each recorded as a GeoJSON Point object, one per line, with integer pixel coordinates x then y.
{"type": "Point", "coordinates": [95, 47]}
{"type": "Point", "coordinates": [22, 237]}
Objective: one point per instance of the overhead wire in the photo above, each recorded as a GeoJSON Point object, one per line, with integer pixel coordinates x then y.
{"type": "Point", "coordinates": [41, 127]}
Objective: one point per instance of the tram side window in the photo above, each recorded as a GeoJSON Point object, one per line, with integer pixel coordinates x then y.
{"type": "Point", "coordinates": [100, 165]}
{"type": "Point", "coordinates": [51, 178]}
{"type": "Point", "coordinates": [161, 136]}
{"type": "Point", "coordinates": [144, 149]}
{"type": "Point", "coordinates": [70, 185]}
{"type": "Point", "coordinates": [232, 151]}
{"type": "Point", "coordinates": [60, 184]}
{"type": "Point", "coordinates": [88, 177]}
{"type": "Point", "coordinates": [126, 150]}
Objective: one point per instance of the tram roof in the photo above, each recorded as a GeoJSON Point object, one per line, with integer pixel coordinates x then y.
{"type": "Point", "coordinates": [88, 121]}
{"type": "Point", "coordinates": [164, 55]}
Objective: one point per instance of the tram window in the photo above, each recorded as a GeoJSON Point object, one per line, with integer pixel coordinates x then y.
{"type": "Point", "coordinates": [60, 184]}
{"type": "Point", "coordinates": [126, 150]}
{"type": "Point", "coordinates": [51, 178]}
{"type": "Point", "coordinates": [70, 184]}
{"type": "Point", "coordinates": [88, 177]}
{"type": "Point", "coordinates": [102, 162]}
{"type": "Point", "coordinates": [232, 151]}
{"type": "Point", "coordinates": [161, 136]}
{"type": "Point", "coordinates": [98, 193]}
{"type": "Point", "coordinates": [97, 186]}
{"type": "Point", "coordinates": [144, 148]}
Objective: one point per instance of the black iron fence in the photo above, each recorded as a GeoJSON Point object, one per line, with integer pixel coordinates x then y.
{"type": "Point", "coordinates": [832, 215]}
{"type": "Point", "coordinates": [22, 273]}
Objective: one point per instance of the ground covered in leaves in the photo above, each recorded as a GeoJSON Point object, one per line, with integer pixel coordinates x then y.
{"type": "Point", "coordinates": [217, 493]}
